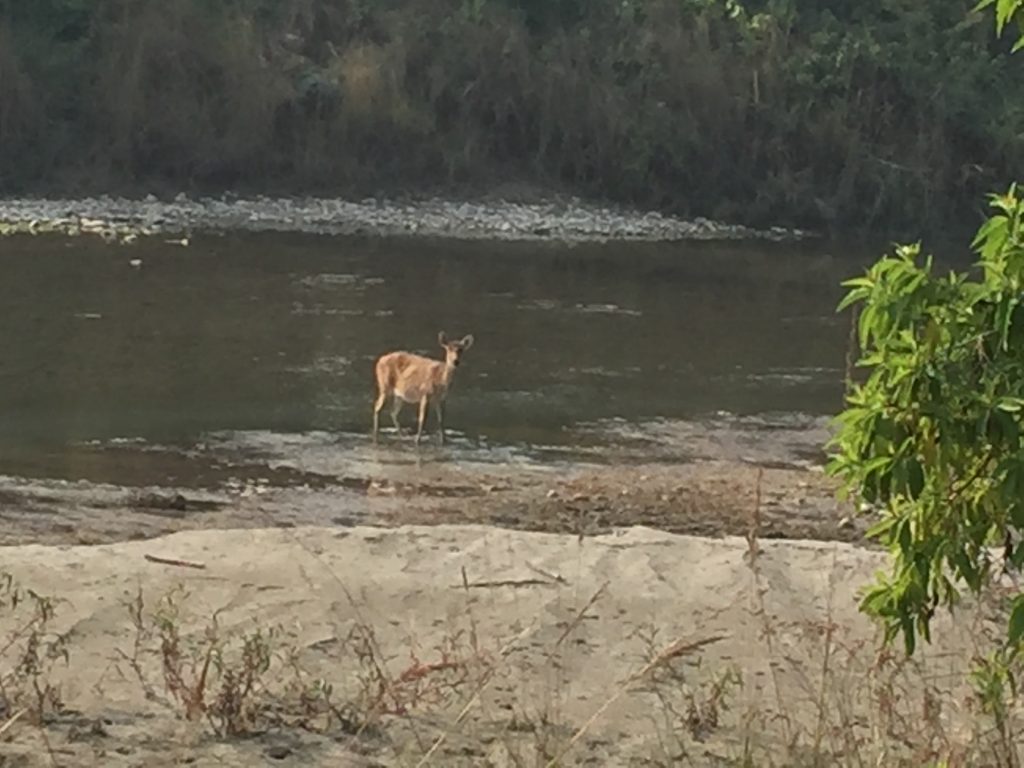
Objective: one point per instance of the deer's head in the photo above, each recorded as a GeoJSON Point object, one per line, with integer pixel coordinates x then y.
{"type": "Point", "coordinates": [453, 349]}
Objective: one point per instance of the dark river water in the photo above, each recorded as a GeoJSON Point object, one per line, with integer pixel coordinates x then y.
{"type": "Point", "coordinates": [264, 339]}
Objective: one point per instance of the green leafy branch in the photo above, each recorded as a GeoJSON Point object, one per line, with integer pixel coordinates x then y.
{"type": "Point", "coordinates": [1007, 12]}
{"type": "Point", "coordinates": [933, 437]}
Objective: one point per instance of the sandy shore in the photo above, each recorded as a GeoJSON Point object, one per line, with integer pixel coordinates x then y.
{"type": "Point", "coordinates": [505, 644]}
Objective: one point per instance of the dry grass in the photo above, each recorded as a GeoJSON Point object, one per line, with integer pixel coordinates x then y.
{"type": "Point", "coordinates": [28, 653]}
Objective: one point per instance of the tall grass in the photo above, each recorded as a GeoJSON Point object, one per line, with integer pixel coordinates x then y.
{"type": "Point", "coordinates": [856, 114]}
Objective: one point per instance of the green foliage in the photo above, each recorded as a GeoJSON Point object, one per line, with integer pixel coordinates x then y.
{"type": "Point", "coordinates": [1007, 12]}
{"type": "Point", "coordinates": [845, 113]}
{"type": "Point", "coordinates": [933, 437]}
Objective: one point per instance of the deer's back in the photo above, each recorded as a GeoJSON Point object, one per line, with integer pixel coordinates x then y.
{"type": "Point", "coordinates": [411, 377]}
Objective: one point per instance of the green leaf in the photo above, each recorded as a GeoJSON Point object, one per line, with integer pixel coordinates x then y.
{"type": "Point", "coordinates": [1008, 433]}
{"type": "Point", "coordinates": [852, 298]}
{"type": "Point", "coordinates": [882, 527]}
{"type": "Point", "coordinates": [1015, 630]}
{"type": "Point", "coordinates": [966, 567]}
{"type": "Point", "coordinates": [1004, 311]}
{"type": "Point", "coordinates": [1016, 335]}
{"type": "Point", "coordinates": [915, 478]}
{"type": "Point", "coordinates": [867, 325]}
{"type": "Point", "coordinates": [909, 638]}
{"type": "Point", "coordinates": [1016, 512]}
{"type": "Point", "coordinates": [904, 537]}
{"type": "Point", "coordinates": [858, 282]}
{"type": "Point", "coordinates": [1004, 11]}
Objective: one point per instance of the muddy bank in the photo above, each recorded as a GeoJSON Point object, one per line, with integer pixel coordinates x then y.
{"type": "Point", "coordinates": [557, 220]}
{"type": "Point", "coordinates": [707, 498]}
{"type": "Point", "coordinates": [720, 477]}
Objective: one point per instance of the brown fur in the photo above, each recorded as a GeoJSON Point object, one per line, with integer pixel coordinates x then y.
{"type": "Point", "coordinates": [408, 378]}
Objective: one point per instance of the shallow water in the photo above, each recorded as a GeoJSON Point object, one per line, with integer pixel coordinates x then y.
{"type": "Point", "coordinates": [264, 345]}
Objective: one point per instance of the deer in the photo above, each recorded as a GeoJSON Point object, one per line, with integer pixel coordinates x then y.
{"type": "Point", "coordinates": [408, 378]}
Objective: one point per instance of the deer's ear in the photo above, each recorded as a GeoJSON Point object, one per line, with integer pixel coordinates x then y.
{"type": "Point", "coordinates": [442, 338]}
{"type": "Point", "coordinates": [467, 341]}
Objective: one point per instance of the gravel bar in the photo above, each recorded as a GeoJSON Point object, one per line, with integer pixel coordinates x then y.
{"type": "Point", "coordinates": [576, 221]}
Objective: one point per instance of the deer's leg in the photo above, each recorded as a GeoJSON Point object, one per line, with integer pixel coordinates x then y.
{"type": "Point", "coordinates": [440, 419]}
{"type": "Point", "coordinates": [423, 417]}
{"type": "Point", "coordinates": [376, 413]}
{"type": "Point", "coordinates": [396, 406]}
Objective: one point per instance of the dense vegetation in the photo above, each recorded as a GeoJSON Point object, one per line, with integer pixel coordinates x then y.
{"type": "Point", "coordinates": [880, 113]}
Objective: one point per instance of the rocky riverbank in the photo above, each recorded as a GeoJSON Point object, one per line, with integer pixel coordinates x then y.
{"type": "Point", "coordinates": [126, 219]}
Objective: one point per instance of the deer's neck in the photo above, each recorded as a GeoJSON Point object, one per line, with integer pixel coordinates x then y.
{"type": "Point", "coordinates": [447, 375]}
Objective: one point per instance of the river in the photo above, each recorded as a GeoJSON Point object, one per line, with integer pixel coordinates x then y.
{"type": "Point", "coordinates": [240, 356]}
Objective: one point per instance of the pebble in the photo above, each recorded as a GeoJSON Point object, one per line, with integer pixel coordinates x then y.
{"type": "Point", "coordinates": [278, 752]}
{"type": "Point", "coordinates": [572, 220]}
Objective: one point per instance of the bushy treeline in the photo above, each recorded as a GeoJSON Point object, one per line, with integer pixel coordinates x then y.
{"type": "Point", "coordinates": [847, 113]}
